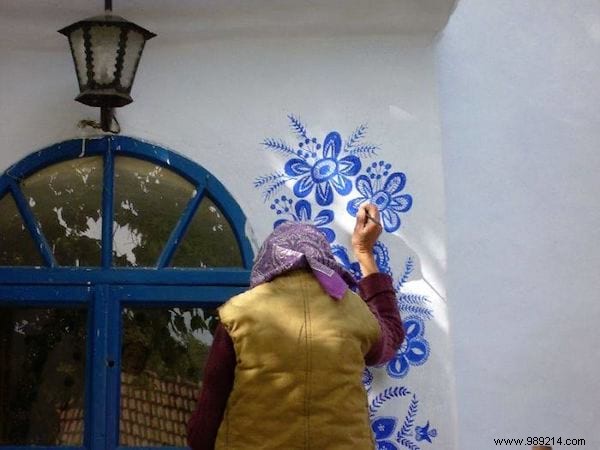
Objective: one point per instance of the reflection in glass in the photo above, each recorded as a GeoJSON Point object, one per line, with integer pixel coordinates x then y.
{"type": "Point", "coordinates": [163, 354]}
{"type": "Point", "coordinates": [42, 366]}
{"type": "Point", "coordinates": [149, 200]}
{"type": "Point", "coordinates": [66, 199]}
{"type": "Point", "coordinates": [209, 241]}
{"type": "Point", "coordinates": [17, 247]}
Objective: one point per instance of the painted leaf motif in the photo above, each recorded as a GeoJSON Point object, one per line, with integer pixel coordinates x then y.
{"type": "Point", "coordinates": [413, 326]}
{"type": "Point", "coordinates": [323, 218]}
{"type": "Point", "coordinates": [354, 204]}
{"type": "Point", "coordinates": [341, 184]}
{"type": "Point", "coordinates": [391, 220]}
{"type": "Point", "coordinates": [397, 367]}
{"type": "Point", "coordinates": [401, 203]}
{"type": "Point", "coordinates": [418, 352]}
{"type": "Point", "coordinates": [329, 234]}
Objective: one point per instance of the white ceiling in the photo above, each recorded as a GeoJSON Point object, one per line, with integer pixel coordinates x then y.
{"type": "Point", "coordinates": [33, 23]}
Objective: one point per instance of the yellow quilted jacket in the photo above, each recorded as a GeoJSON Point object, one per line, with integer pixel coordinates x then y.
{"type": "Point", "coordinates": [300, 357]}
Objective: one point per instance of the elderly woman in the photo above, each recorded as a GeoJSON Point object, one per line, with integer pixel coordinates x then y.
{"type": "Point", "coordinates": [284, 371]}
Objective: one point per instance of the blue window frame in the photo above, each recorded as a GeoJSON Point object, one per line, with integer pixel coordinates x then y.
{"type": "Point", "coordinates": [105, 290]}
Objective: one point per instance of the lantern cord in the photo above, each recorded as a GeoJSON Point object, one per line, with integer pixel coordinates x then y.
{"type": "Point", "coordinates": [98, 126]}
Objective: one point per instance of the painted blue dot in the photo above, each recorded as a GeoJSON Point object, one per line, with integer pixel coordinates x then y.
{"type": "Point", "coordinates": [287, 209]}
{"type": "Point", "coordinates": [385, 174]}
{"type": "Point", "coordinates": [284, 198]}
{"type": "Point", "coordinates": [378, 177]}
{"type": "Point", "coordinates": [278, 212]}
{"type": "Point", "coordinates": [272, 206]}
{"type": "Point", "coordinates": [374, 165]}
{"type": "Point", "coordinates": [318, 146]}
{"type": "Point", "coordinates": [276, 200]}
{"type": "Point", "coordinates": [368, 170]}
{"type": "Point", "coordinates": [301, 144]}
{"type": "Point", "coordinates": [313, 154]}
{"type": "Point", "coordinates": [381, 163]}
{"type": "Point", "coordinates": [307, 141]}
{"type": "Point", "coordinates": [290, 201]}
{"type": "Point", "coordinates": [306, 155]}
{"type": "Point", "coordinates": [314, 140]}
{"type": "Point", "coordinates": [372, 176]}
{"type": "Point", "coordinates": [388, 166]}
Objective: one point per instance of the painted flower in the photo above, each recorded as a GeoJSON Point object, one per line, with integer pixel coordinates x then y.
{"type": "Point", "coordinates": [326, 173]}
{"type": "Point", "coordinates": [380, 251]}
{"type": "Point", "coordinates": [414, 350]}
{"type": "Point", "coordinates": [302, 212]}
{"type": "Point", "coordinates": [383, 429]}
{"type": "Point", "coordinates": [384, 194]}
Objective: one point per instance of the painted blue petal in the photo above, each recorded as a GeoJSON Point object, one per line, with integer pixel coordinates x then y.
{"type": "Point", "coordinates": [349, 165]}
{"type": "Point", "coordinates": [295, 167]}
{"type": "Point", "coordinates": [323, 218]}
{"type": "Point", "coordinates": [413, 327]}
{"type": "Point", "coordinates": [341, 184]}
{"type": "Point", "coordinates": [417, 352]}
{"type": "Point", "coordinates": [383, 427]}
{"type": "Point", "coordinates": [397, 367]}
{"type": "Point", "coordinates": [329, 234]}
{"type": "Point", "coordinates": [363, 185]}
{"type": "Point", "coordinates": [303, 186]}
{"type": "Point", "coordinates": [332, 145]}
{"type": "Point", "coordinates": [324, 194]}
{"type": "Point", "coordinates": [401, 203]}
{"type": "Point", "coordinates": [395, 183]}
{"type": "Point", "coordinates": [341, 254]}
{"type": "Point", "coordinates": [303, 210]}
{"type": "Point", "coordinates": [279, 222]}
{"type": "Point", "coordinates": [391, 220]}
{"type": "Point", "coordinates": [353, 205]}
{"type": "Point", "coordinates": [386, 445]}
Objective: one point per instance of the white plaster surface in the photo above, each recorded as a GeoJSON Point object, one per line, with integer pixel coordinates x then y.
{"type": "Point", "coordinates": [214, 95]}
{"type": "Point", "coordinates": [520, 111]}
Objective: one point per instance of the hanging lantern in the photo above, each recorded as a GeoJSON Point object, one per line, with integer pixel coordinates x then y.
{"type": "Point", "coordinates": [106, 50]}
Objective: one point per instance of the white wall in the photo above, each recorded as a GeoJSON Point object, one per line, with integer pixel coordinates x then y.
{"type": "Point", "coordinates": [214, 90]}
{"type": "Point", "coordinates": [520, 95]}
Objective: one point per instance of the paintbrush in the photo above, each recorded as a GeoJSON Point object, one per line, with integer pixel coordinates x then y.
{"type": "Point", "coordinates": [372, 219]}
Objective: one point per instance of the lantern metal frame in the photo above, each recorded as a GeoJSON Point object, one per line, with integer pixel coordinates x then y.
{"type": "Point", "coordinates": [112, 94]}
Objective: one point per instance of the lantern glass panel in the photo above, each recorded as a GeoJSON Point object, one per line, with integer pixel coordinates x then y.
{"type": "Point", "coordinates": [133, 52]}
{"type": "Point", "coordinates": [105, 43]}
{"type": "Point", "coordinates": [78, 49]}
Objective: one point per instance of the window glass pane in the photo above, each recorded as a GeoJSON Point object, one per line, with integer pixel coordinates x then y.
{"type": "Point", "coordinates": [42, 366]}
{"type": "Point", "coordinates": [209, 241]}
{"type": "Point", "coordinates": [66, 199]}
{"type": "Point", "coordinates": [149, 200]}
{"type": "Point", "coordinates": [163, 354]}
{"type": "Point", "coordinates": [17, 247]}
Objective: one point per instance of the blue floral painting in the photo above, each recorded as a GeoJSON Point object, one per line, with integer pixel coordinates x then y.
{"type": "Point", "coordinates": [385, 428]}
{"type": "Point", "coordinates": [318, 172]}
{"type": "Point", "coordinates": [383, 188]}
{"type": "Point", "coordinates": [301, 211]}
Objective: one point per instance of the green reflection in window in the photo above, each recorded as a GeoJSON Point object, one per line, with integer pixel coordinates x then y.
{"type": "Point", "coordinates": [163, 354]}
{"type": "Point", "coordinates": [66, 199]}
{"type": "Point", "coordinates": [209, 240]}
{"type": "Point", "coordinates": [17, 247]}
{"type": "Point", "coordinates": [149, 200]}
{"type": "Point", "coordinates": [42, 367]}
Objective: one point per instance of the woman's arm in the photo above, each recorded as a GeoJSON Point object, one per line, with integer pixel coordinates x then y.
{"type": "Point", "coordinates": [376, 288]}
{"type": "Point", "coordinates": [217, 383]}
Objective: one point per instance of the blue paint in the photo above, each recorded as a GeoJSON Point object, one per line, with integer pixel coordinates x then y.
{"type": "Point", "coordinates": [301, 211]}
{"type": "Point", "coordinates": [107, 289]}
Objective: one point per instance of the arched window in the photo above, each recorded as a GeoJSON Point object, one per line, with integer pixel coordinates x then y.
{"type": "Point", "coordinates": [114, 254]}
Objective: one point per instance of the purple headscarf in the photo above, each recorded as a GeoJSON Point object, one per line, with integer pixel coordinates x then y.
{"type": "Point", "coordinates": [293, 246]}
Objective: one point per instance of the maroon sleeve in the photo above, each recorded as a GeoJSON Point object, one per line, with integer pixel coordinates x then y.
{"type": "Point", "coordinates": [377, 290]}
{"type": "Point", "coordinates": [217, 383]}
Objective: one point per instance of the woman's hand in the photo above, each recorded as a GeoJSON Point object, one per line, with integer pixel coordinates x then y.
{"type": "Point", "coordinates": [366, 231]}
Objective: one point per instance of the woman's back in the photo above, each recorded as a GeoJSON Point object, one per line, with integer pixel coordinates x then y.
{"type": "Point", "coordinates": [297, 378]}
